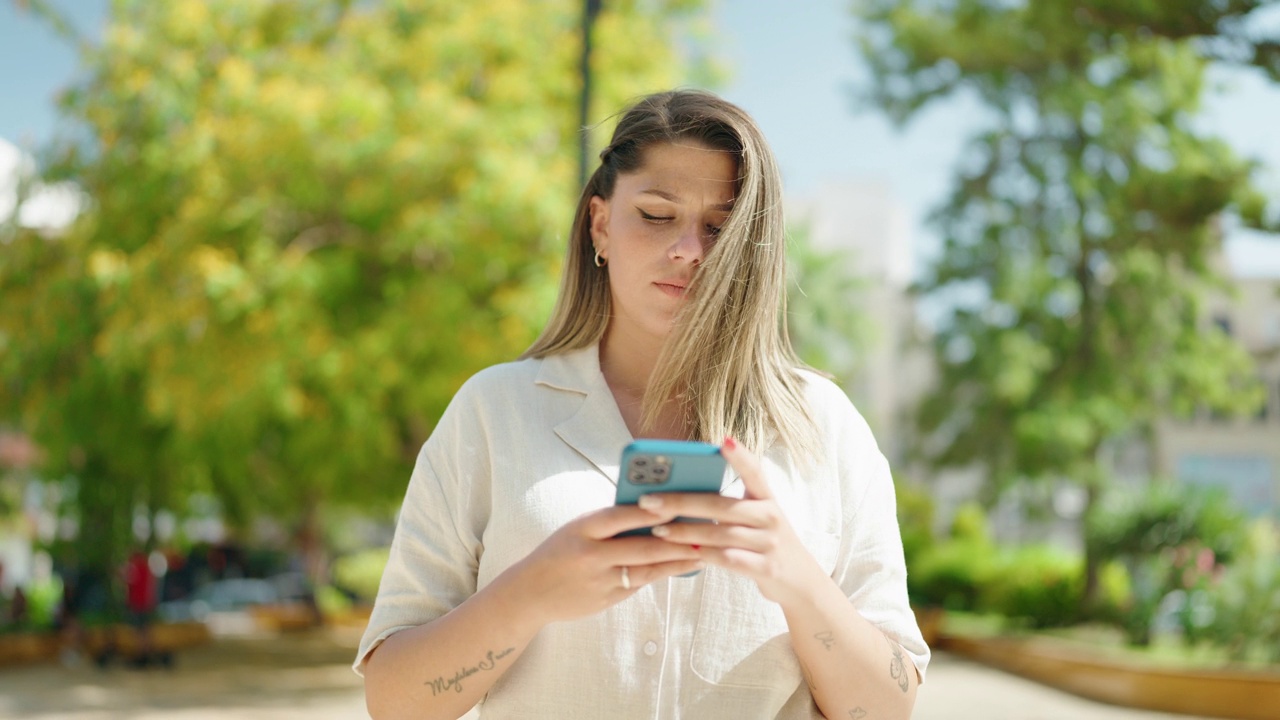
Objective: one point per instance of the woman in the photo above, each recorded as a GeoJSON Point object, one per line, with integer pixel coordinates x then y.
{"type": "Point", "coordinates": [506, 587]}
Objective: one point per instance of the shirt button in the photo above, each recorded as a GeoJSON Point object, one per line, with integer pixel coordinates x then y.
{"type": "Point", "coordinates": [650, 648]}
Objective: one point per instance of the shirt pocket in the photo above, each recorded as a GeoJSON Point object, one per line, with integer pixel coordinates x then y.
{"type": "Point", "coordinates": [741, 639]}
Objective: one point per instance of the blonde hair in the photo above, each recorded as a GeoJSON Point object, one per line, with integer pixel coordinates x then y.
{"type": "Point", "coordinates": [728, 359]}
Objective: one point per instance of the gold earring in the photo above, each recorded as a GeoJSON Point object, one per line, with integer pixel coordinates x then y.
{"type": "Point", "coordinates": [600, 261]}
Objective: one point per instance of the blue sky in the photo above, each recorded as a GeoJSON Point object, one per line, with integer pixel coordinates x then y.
{"type": "Point", "coordinates": [793, 67]}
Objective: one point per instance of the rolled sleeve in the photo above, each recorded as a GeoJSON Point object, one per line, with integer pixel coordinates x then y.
{"type": "Point", "coordinates": [432, 567]}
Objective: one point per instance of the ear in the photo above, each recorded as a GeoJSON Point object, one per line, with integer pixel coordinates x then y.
{"type": "Point", "coordinates": [599, 209]}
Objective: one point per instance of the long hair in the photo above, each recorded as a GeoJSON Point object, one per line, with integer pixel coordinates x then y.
{"type": "Point", "coordinates": [728, 359]}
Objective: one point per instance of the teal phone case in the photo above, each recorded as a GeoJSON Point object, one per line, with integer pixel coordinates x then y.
{"type": "Point", "coordinates": [650, 466]}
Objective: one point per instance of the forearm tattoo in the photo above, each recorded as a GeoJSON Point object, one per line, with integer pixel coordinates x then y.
{"type": "Point", "coordinates": [827, 637]}
{"type": "Point", "coordinates": [898, 665]}
{"type": "Point", "coordinates": [442, 684]}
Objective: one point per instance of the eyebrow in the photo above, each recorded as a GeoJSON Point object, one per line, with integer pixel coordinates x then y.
{"type": "Point", "coordinates": [726, 207]}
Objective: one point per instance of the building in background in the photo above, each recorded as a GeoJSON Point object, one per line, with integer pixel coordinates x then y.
{"type": "Point", "coordinates": [1241, 455]}
{"type": "Point", "coordinates": [870, 229]}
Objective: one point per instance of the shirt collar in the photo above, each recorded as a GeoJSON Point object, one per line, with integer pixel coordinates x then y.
{"type": "Point", "coordinates": [596, 431]}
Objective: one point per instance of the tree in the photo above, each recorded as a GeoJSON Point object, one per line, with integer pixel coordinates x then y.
{"type": "Point", "coordinates": [825, 322]}
{"type": "Point", "coordinates": [1084, 221]}
{"type": "Point", "coordinates": [308, 223]}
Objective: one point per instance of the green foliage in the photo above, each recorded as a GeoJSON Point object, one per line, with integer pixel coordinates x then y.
{"type": "Point", "coordinates": [915, 520]}
{"type": "Point", "coordinates": [332, 601]}
{"type": "Point", "coordinates": [306, 224]}
{"type": "Point", "coordinates": [1145, 522]}
{"type": "Point", "coordinates": [360, 573]}
{"type": "Point", "coordinates": [970, 524]}
{"type": "Point", "coordinates": [1080, 235]}
{"type": "Point", "coordinates": [1115, 593]}
{"type": "Point", "coordinates": [827, 328]}
{"type": "Point", "coordinates": [1036, 585]}
{"type": "Point", "coordinates": [1246, 599]}
{"type": "Point", "coordinates": [1170, 537]}
{"type": "Point", "coordinates": [44, 596]}
{"type": "Point", "coordinates": [952, 575]}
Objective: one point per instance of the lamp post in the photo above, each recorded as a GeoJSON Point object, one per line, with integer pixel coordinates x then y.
{"type": "Point", "coordinates": [590, 9]}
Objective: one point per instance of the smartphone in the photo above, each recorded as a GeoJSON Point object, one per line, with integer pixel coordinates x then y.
{"type": "Point", "coordinates": [650, 466]}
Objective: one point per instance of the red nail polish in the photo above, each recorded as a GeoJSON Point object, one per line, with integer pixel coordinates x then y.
{"type": "Point", "coordinates": [696, 547]}
{"type": "Point", "coordinates": [729, 444]}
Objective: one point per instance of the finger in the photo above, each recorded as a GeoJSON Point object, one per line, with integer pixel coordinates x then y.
{"type": "Point", "coordinates": [737, 560]}
{"type": "Point", "coordinates": [712, 507]}
{"type": "Point", "coordinates": [610, 521]}
{"type": "Point", "coordinates": [747, 465]}
{"type": "Point", "coordinates": [709, 535]}
{"type": "Point", "coordinates": [644, 550]}
{"type": "Point", "coordinates": [641, 575]}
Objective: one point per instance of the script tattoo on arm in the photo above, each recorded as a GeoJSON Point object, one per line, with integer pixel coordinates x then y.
{"type": "Point", "coordinates": [898, 666]}
{"type": "Point", "coordinates": [857, 713]}
{"type": "Point", "coordinates": [443, 684]}
{"type": "Point", "coordinates": [827, 637]}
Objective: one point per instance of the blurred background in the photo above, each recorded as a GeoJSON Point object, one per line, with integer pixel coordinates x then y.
{"type": "Point", "coordinates": [249, 250]}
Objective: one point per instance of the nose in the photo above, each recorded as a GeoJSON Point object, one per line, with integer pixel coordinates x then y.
{"type": "Point", "coordinates": [688, 246]}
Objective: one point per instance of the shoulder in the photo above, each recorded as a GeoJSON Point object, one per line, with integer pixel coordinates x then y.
{"type": "Point", "coordinates": [489, 394]}
{"type": "Point", "coordinates": [827, 402]}
{"type": "Point", "coordinates": [502, 378]}
{"type": "Point", "coordinates": [847, 439]}
{"type": "Point", "coordinates": [571, 370]}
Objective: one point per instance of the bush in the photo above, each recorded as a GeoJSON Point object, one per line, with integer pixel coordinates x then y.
{"type": "Point", "coordinates": [1160, 533]}
{"type": "Point", "coordinates": [915, 521]}
{"type": "Point", "coordinates": [1115, 593]}
{"type": "Point", "coordinates": [331, 600]}
{"type": "Point", "coordinates": [1039, 585]}
{"type": "Point", "coordinates": [360, 573]}
{"type": "Point", "coordinates": [952, 575]}
{"type": "Point", "coordinates": [970, 524]}
{"type": "Point", "coordinates": [1246, 599]}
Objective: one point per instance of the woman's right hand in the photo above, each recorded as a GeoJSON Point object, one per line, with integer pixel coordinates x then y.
{"type": "Point", "coordinates": [578, 570]}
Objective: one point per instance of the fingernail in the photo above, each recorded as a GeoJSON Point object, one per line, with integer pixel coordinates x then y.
{"type": "Point", "coordinates": [729, 444]}
{"type": "Point", "coordinates": [661, 530]}
{"type": "Point", "coordinates": [649, 502]}
{"type": "Point", "coordinates": [696, 547]}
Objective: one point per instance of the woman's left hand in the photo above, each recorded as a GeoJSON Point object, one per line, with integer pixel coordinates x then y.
{"type": "Point", "coordinates": [751, 536]}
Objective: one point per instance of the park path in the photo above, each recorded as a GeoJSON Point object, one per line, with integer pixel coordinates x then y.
{"type": "Point", "coordinates": [958, 689]}
{"type": "Point", "coordinates": [308, 676]}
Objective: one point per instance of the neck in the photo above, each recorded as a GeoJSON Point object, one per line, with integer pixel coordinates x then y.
{"type": "Point", "coordinates": [627, 360]}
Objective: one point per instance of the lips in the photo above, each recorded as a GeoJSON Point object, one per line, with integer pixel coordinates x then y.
{"type": "Point", "coordinates": [674, 288]}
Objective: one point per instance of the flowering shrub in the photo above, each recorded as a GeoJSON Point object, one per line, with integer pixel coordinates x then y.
{"type": "Point", "coordinates": [1245, 601]}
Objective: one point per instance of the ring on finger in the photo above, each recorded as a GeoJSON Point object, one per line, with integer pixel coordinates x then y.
{"type": "Point", "coordinates": [626, 578]}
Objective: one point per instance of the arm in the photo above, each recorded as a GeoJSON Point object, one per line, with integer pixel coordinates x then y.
{"type": "Point", "coordinates": [853, 669]}
{"type": "Point", "coordinates": [443, 668]}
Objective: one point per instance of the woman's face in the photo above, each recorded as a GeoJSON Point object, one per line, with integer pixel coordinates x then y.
{"type": "Point", "coordinates": [655, 230]}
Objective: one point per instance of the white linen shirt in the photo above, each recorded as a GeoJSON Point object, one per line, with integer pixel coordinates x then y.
{"type": "Point", "coordinates": [525, 447]}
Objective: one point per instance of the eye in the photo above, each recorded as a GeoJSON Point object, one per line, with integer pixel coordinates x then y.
{"type": "Point", "coordinates": [713, 230]}
{"type": "Point", "coordinates": [654, 218]}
